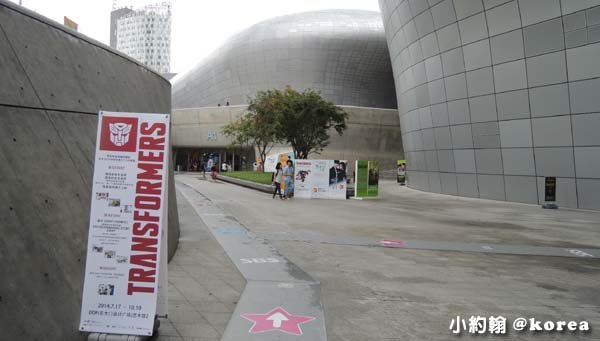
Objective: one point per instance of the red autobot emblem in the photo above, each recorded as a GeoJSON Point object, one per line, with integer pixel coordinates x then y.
{"type": "Point", "coordinates": [118, 134]}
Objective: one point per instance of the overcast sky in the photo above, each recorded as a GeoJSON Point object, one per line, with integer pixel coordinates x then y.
{"type": "Point", "coordinates": [198, 26]}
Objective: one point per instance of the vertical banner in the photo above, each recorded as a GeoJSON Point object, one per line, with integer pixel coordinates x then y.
{"type": "Point", "coordinates": [320, 179]}
{"type": "Point", "coordinates": [303, 179]}
{"type": "Point", "coordinates": [127, 218]}
{"type": "Point", "coordinates": [550, 189]}
{"type": "Point", "coordinates": [367, 179]}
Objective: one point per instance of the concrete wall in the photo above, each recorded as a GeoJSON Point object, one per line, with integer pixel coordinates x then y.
{"type": "Point", "coordinates": [372, 133]}
{"type": "Point", "coordinates": [495, 95]}
{"type": "Point", "coordinates": [54, 81]}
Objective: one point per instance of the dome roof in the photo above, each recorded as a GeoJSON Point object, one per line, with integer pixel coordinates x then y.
{"type": "Point", "coordinates": [341, 53]}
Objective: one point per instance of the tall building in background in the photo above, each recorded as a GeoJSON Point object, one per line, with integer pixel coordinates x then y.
{"type": "Point", "coordinates": [70, 23]}
{"type": "Point", "coordinates": [144, 34]}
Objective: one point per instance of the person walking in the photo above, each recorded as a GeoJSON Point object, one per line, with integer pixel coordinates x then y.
{"type": "Point", "coordinates": [213, 173]}
{"type": "Point", "coordinates": [277, 177]}
{"type": "Point", "coordinates": [288, 173]}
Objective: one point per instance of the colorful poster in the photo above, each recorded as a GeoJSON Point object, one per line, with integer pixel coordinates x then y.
{"type": "Point", "coordinates": [272, 159]}
{"type": "Point", "coordinates": [367, 179]}
{"type": "Point", "coordinates": [128, 216]}
{"type": "Point", "coordinates": [320, 179]}
{"type": "Point", "coordinates": [303, 178]}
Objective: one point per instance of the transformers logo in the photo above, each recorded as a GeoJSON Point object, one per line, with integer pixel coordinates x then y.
{"type": "Point", "coordinates": [119, 133]}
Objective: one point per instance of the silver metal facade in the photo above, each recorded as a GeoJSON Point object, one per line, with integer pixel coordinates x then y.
{"type": "Point", "coordinates": [341, 53]}
{"type": "Point", "coordinates": [495, 95]}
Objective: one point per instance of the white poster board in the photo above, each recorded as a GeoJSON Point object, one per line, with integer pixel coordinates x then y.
{"type": "Point", "coordinates": [320, 179]}
{"type": "Point", "coordinates": [272, 159]}
{"type": "Point", "coordinates": [127, 218]}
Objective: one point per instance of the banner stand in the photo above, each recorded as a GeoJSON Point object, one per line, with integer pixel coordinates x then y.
{"type": "Point", "coordinates": [366, 180]}
{"type": "Point", "coordinates": [126, 276]}
{"type": "Point", "coordinates": [550, 193]}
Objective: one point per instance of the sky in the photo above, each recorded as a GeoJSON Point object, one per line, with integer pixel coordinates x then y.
{"type": "Point", "coordinates": [198, 26]}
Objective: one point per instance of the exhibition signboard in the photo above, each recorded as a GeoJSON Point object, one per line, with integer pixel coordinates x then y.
{"type": "Point", "coordinates": [128, 221]}
{"type": "Point", "coordinates": [367, 179]}
{"type": "Point", "coordinates": [272, 159]}
{"type": "Point", "coordinates": [320, 179]}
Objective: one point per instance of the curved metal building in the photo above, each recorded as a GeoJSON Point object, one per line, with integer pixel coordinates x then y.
{"type": "Point", "coordinates": [496, 95]}
{"type": "Point", "coordinates": [341, 53]}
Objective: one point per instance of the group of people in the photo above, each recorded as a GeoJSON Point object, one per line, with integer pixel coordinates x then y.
{"type": "Point", "coordinates": [285, 174]}
{"type": "Point", "coordinates": [211, 166]}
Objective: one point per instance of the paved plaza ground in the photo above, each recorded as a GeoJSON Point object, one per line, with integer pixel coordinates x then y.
{"type": "Point", "coordinates": [376, 293]}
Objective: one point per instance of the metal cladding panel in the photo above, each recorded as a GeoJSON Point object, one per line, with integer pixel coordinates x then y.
{"type": "Point", "coordinates": [341, 53]}
{"type": "Point", "coordinates": [535, 59]}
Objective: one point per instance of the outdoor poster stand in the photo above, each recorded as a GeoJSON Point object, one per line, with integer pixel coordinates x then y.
{"type": "Point", "coordinates": [125, 282]}
{"type": "Point", "coordinates": [366, 182]}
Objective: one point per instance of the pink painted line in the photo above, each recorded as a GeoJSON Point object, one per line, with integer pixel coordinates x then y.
{"type": "Point", "coordinates": [392, 243]}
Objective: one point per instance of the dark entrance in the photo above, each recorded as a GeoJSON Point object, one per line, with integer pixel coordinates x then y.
{"type": "Point", "coordinates": [191, 159]}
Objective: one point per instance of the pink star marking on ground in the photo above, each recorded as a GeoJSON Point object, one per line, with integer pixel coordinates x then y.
{"type": "Point", "coordinates": [277, 319]}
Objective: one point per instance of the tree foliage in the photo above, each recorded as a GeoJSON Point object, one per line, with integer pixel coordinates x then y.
{"type": "Point", "coordinates": [305, 120]}
{"type": "Point", "coordinates": [257, 127]}
{"type": "Point", "coordinates": [302, 119]}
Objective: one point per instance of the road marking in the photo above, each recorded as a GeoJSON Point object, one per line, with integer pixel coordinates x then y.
{"type": "Point", "coordinates": [258, 260]}
{"type": "Point", "coordinates": [507, 249]}
{"type": "Point", "coordinates": [580, 253]}
{"type": "Point", "coordinates": [392, 243]}
{"type": "Point", "coordinates": [277, 319]}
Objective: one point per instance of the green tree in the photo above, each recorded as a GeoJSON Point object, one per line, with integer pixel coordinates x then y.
{"type": "Point", "coordinates": [257, 127]}
{"type": "Point", "coordinates": [304, 120]}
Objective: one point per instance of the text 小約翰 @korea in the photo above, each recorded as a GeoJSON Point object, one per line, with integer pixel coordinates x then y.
{"type": "Point", "coordinates": [499, 325]}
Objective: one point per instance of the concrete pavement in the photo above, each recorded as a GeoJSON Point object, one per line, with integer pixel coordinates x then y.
{"type": "Point", "coordinates": [204, 286]}
{"type": "Point", "coordinates": [376, 293]}
{"type": "Point", "coordinates": [279, 297]}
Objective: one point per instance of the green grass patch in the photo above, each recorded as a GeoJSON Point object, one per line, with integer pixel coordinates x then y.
{"type": "Point", "coordinates": [258, 177]}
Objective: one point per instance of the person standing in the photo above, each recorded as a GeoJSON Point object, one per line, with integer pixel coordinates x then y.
{"type": "Point", "coordinates": [277, 177]}
{"type": "Point", "coordinates": [402, 174]}
{"type": "Point", "coordinates": [213, 172]}
{"type": "Point", "coordinates": [288, 173]}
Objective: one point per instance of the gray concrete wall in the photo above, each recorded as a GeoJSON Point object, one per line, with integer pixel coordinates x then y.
{"type": "Point", "coordinates": [54, 81]}
{"type": "Point", "coordinates": [372, 133]}
{"type": "Point", "coordinates": [495, 95]}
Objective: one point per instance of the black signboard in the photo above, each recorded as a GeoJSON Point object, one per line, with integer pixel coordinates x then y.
{"type": "Point", "coordinates": [550, 189]}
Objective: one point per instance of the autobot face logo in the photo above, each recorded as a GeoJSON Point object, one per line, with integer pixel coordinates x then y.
{"type": "Point", "coordinates": [119, 133]}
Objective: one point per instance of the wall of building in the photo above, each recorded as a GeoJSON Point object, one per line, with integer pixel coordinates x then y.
{"type": "Point", "coordinates": [495, 95]}
{"type": "Point", "coordinates": [340, 53]}
{"type": "Point", "coordinates": [145, 35]}
{"type": "Point", "coordinates": [115, 15]}
{"type": "Point", "coordinates": [54, 81]}
{"type": "Point", "coordinates": [371, 134]}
